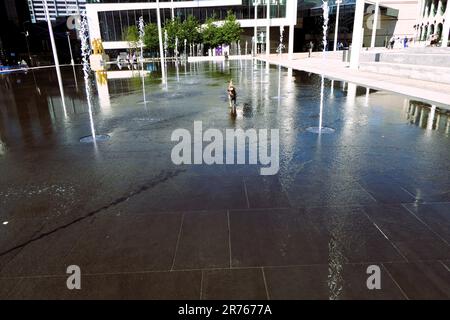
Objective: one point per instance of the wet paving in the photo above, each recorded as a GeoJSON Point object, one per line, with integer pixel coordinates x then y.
{"type": "Point", "coordinates": [372, 189]}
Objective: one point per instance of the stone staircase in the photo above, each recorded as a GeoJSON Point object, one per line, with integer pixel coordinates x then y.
{"type": "Point", "coordinates": [430, 64]}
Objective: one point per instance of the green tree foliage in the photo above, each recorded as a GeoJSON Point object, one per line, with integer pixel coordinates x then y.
{"type": "Point", "coordinates": [174, 30]}
{"type": "Point", "coordinates": [151, 40]}
{"type": "Point", "coordinates": [131, 35]}
{"type": "Point", "coordinates": [211, 33]}
{"type": "Point", "coordinates": [214, 35]}
{"type": "Point", "coordinates": [190, 30]}
{"type": "Point", "coordinates": [231, 29]}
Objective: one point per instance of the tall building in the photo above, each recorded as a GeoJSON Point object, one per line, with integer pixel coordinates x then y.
{"type": "Point", "coordinates": [13, 17]}
{"type": "Point", "coordinates": [433, 19]}
{"type": "Point", "coordinates": [56, 8]}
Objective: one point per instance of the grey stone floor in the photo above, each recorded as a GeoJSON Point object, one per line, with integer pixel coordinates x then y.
{"type": "Point", "coordinates": [376, 192]}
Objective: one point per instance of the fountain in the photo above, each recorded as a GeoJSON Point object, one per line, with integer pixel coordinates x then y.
{"type": "Point", "coordinates": [85, 53]}
{"type": "Point", "coordinates": [176, 49]}
{"type": "Point", "coordinates": [321, 129]}
{"type": "Point", "coordinates": [165, 45]}
{"type": "Point", "coordinates": [141, 39]}
{"type": "Point", "coordinates": [279, 51]}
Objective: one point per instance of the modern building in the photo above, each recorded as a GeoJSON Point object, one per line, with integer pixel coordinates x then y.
{"type": "Point", "coordinates": [433, 18]}
{"type": "Point", "coordinates": [108, 19]}
{"type": "Point", "coordinates": [56, 8]}
{"type": "Point", "coordinates": [302, 19]}
{"type": "Point", "coordinates": [13, 19]}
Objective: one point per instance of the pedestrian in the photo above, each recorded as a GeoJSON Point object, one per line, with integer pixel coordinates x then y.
{"type": "Point", "coordinates": [311, 48]}
{"type": "Point", "coordinates": [391, 42]}
{"type": "Point", "coordinates": [232, 96]}
{"type": "Point", "coordinates": [405, 42]}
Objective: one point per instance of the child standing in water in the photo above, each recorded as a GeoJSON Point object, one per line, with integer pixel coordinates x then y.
{"type": "Point", "coordinates": [232, 95]}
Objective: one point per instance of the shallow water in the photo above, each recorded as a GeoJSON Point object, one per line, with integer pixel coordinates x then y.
{"type": "Point", "coordinates": [367, 133]}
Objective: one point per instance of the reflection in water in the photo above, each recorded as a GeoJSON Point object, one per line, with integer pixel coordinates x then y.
{"type": "Point", "coordinates": [103, 90]}
{"type": "Point", "coordinates": [336, 262]}
{"type": "Point", "coordinates": [351, 94]}
{"type": "Point", "coordinates": [2, 148]}
{"type": "Point", "coordinates": [429, 117]}
{"type": "Point", "coordinates": [367, 97]}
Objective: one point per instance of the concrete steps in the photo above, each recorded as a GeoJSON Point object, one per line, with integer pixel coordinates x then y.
{"type": "Point", "coordinates": [411, 71]}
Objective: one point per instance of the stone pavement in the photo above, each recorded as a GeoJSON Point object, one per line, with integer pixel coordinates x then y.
{"type": "Point", "coordinates": [432, 92]}
{"type": "Point", "coordinates": [376, 191]}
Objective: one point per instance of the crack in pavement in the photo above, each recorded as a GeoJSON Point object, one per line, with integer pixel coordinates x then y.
{"type": "Point", "coordinates": [162, 177]}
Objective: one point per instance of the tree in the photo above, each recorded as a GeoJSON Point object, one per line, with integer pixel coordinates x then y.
{"type": "Point", "coordinates": [211, 33]}
{"type": "Point", "coordinates": [231, 29]}
{"type": "Point", "coordinates": [174, 30]}
{"type": "Point", "coordinates": [151, 39]}
{"type": "Point", "coordinates": [131, 35]}
{"type": "Point", "coordinates": [190, 30]}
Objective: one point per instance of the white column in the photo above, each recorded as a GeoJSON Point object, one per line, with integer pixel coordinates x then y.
{"type": "Point", "coordinates": [268, 28]}
{"type": "Point", "coordinates": [172, 10]}
{"type": "Point", "coordinates": [292, 8]}
{"type": "Point", "coordinates": [446, 26]}
{"type": "Point", "coordinates": [161, 47]}
{"type": "Point", "coordinates": [357, 34]}
{"type": "Point", "coordinates": [336, 25]}
{"type": "Point", "coordinates": [375, 24]}
{"type": "Point", "coordinates": [431, 117]}
{"type": "Point", "coordinates": [55, 56]}
{"type": "Point", "coordinates": [255, 29]}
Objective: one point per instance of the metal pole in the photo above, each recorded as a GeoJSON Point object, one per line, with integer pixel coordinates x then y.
{"type": "Point", "coordinates": [336, 27]}
{"type": "Point", "coordinates": [28, 48]}
{"type": "Point", "coordinates": [268, 28]}
{"type": "Point", "coordinates": [255, 35]}
{"type": "Point", "coordinates": [70, 48]}
{"type": "Point", "coordinates": [55, 55]}
{"type": "Point", "coordinates": [375, 24]}
{"type": "Point", "coordinates": [161, 47]}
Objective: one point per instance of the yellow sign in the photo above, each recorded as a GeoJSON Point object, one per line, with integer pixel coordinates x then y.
{"type": "Point", "coordinates": [97, 46]}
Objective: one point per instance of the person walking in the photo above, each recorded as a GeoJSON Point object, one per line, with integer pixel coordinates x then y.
{"type": "Point", "coordinates": [311, 48]}
{"type": "Point", "coordinates": [232, 96]}
{"type": "Point", "coordinates": [392, 42]}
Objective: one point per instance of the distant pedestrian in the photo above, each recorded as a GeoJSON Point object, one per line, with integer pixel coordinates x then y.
{"type": "Point", "coordinates": [311, 48]}
{"type": "Point", "coordinates": [232, 96]}
{"type": "Point", "coordinates": [392, 42]}
{"type": "Point", "coordinates": [405, 42]}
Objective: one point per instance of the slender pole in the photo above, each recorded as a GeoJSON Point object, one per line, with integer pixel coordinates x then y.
{"type": "Point", "coordinates": [336, 27]}
{"type": "Point", "coordinates": [55, 55]}
{"type": "Point", "coordinates": [28, 48]}
{"type": "Point", "coordinates": [375, 24]}
{"type": "Point", "coordinates": [161, 47]}
{"type": "Point", "coordinates": [255, 35]}
{"type": "Point", "coordinates": [268, 29]}
{"type": "Point", "coordinates": [293, 17]}
{"type": "Point", "coordinates": [70, 48]}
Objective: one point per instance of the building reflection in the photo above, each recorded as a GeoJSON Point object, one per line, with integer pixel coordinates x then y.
{"type": "Point", "coordinates": [426, 116]}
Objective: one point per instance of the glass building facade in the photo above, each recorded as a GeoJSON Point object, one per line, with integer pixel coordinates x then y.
{"type": "Point", "coordinates": [114, 23]}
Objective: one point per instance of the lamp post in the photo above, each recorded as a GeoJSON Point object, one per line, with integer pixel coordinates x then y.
{"type": "Point", "coordinates": [161, 46]}
{"type": "Point", "coordinates": [55, 54]}
{"type": "Point", "coordinates": [255, 29]}
{"type": "Point", "coordinates": [27, 34]}
{"type": "Point", "coordinates": [336, 26]}
{"type": "Point", "coordinates": [72, 62]}
{"type": "Point", "coordinates": [268, 29]}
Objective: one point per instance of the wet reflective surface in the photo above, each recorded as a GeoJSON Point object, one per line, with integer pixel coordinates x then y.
{"type": "Point", "coordinates": [372, 188]}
